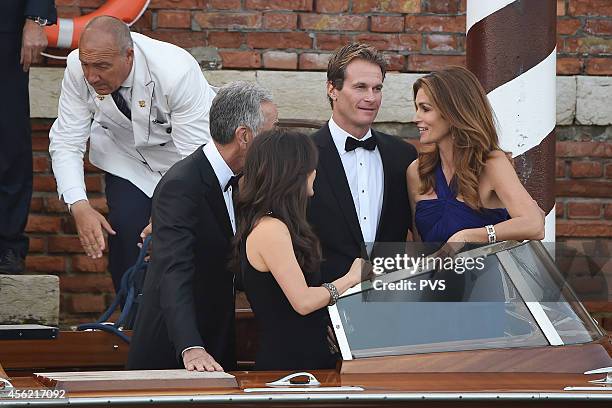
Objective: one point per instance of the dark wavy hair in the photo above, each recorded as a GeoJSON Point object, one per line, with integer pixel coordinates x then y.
{"type": "Point", "coordinates": [276, 168]}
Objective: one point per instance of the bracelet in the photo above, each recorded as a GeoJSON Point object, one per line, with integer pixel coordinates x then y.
{"type": "Point", "coordinates": [491, 234]}
{"type": "Point", "coordinates": [333, 293]}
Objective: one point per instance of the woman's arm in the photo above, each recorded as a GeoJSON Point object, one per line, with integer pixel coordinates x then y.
{"type": "Point", "coordinates": [269, 248]}
{"type": "Point", "coordinates": [527, 217]}
{"type": "Point", "coordinates": [413, 181]}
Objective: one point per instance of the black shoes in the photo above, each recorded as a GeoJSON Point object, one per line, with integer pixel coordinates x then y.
{"type": "Point", "coordinates": [11, 263]}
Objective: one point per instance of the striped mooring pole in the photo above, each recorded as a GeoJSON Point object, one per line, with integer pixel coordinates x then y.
{"type": "Point", "coordinates": [511, 48]}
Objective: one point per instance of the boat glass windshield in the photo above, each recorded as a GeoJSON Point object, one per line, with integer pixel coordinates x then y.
{"type": "Point", "coordinates": [516, 300]}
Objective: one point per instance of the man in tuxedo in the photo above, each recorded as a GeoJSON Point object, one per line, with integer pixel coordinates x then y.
{"type": "Point", "coordinates": [186, 318]}
{"type": "Point", "coordinates": [143, 105]}
{"type": "Point", "coordinates": [22, 38]}
{"type": "Point", "coordinates": [360, 190]}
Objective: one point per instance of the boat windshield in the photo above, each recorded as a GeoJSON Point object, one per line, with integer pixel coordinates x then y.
{"type": "Point", "coordinates": [512, 296]}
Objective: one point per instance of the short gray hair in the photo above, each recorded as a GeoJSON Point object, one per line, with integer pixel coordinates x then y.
{"type": "Point", "coordinates": [237, 104]}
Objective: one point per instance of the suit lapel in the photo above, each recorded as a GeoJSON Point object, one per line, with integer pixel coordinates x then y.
{"type": "Point", "coordinates": [331, 165]}
{"type": "Point", "coordinates": [384, 150]}
{"type": "Point", "coordinates": [142, 97]}
{"type": "Point", "coordinates": [214, 195]}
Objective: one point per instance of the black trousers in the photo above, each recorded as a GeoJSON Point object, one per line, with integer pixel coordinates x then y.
{"type": "Point", "coordinates": [15, 147]}
{"type": "Point", "coordinates": [129, 212]}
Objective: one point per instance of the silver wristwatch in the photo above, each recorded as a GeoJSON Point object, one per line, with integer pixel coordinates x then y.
{"type": "Point", "coordinates": [38, 20]}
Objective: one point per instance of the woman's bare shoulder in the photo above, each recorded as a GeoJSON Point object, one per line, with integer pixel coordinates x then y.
{"type": "Point", "coordinates": [269, 227]}
{"type": "Point", "coordinates": [412, 172]}
{"type": "Point", "coordinates": [498, 167]}
{"type": "Point", "coordinates": [496, 156]}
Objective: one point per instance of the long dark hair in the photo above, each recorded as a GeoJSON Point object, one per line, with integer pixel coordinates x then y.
{"type": "Point", "coordinates": [276, 168]}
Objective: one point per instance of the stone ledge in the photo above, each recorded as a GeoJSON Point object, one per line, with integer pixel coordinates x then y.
{"type": "Point", "coordinates": [594, 100]}
{"type": "Point", "coordinates": [583, 100]}
{"type": "Point", "coordinates": [29, 299]}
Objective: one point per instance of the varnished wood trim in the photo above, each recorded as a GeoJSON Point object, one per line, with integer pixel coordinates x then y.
{"type": "Point", "coordinates": [70, 349]}
{"type": "Point", "coordinates": [563, 359]}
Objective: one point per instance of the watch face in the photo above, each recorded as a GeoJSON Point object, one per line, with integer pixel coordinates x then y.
{"type": "Point", "coordinates": [38, 20]}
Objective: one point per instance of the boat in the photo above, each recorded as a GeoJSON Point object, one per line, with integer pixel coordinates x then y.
{"type": "Point", "coordinates": [546, 351]}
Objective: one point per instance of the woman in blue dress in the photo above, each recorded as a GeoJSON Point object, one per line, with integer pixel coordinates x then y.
{"type": "Point", "coordinates": [463, 187]}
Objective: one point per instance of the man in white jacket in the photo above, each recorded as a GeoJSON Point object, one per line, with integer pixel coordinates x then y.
{"type": "Point", "coordinates": [143, 105]}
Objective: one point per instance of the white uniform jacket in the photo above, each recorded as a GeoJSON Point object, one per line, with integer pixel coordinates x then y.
{"type": "Point", "coordinates": [169, 107]}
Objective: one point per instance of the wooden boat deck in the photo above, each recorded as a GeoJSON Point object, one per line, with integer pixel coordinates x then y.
{"type": "Point", "coordinates": [87, 351]}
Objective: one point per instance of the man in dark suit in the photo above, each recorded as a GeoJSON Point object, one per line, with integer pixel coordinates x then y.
{"type": "Point", "coordinates": [22, 39]}
{"type": "Point", "coordinates": [186, 318]}
{"type": "Point", "coordinates": [360, 190]}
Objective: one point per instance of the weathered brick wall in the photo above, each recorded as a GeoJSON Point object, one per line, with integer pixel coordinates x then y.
{"type": "Point", "coordinates": [415, 35]}
{"type": "Point", "coordinates": [584, 188]}
{"type": "Point", "coordinates": [584, 37]}
{"type": "Point", "coordinates": [85, 285]}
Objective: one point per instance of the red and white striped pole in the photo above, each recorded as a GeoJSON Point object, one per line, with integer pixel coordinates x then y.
{"type": "Point", "coordinates": [511, 48]}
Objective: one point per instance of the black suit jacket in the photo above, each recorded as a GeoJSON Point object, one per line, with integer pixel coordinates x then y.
{"type": "Point", "coordinates": [189, 291]}
{"type": "Point", "coordinates": [332, 212]}
{"type": "Point", "coordinates": [13, 12]}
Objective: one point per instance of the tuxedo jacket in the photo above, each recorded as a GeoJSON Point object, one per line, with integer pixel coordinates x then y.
{"type": "Point", "coordinates": [332, 212]}
{"type": "Point", "coordinates": [169, 108]}
{"type": "Point", "coordinates": [13, 13]}
{"type": "Point", "coordinates": [188, 295]}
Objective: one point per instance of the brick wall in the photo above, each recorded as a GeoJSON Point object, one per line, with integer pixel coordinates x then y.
{"type": "Point", "coordinates": [85, 285]}
{"type": "Point", "coordinates": [415, 35]}
{"type": "Point", "coordinates": [584, 189]}
{"type": "Point", "coordinates": [584, 37]}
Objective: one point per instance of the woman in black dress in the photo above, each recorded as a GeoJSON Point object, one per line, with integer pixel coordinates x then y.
{"type": "Point", "coordinates": [279, 254]}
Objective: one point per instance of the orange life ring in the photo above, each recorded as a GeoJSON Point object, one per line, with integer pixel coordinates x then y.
{"type": "Point", "coordinates": [67, 31]}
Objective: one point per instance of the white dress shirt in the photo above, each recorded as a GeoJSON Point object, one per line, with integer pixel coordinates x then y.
{"type": "Point", "coordinates": [364, 172]}
{"type": "Point", "coordinates": [223, 173]}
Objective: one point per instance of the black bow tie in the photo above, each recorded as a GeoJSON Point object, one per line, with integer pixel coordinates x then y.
{"type": "Point", "coordinates": [352, 144]}
{"type": "Point", "coordinates": [233, 182]}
